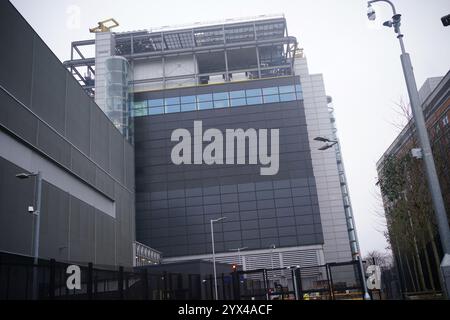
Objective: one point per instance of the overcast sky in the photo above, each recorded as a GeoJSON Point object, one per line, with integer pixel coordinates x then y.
{"type": "Point", "coordinates": [360, 62]}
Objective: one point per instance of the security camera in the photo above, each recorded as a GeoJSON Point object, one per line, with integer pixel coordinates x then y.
{"type": "Point", "coordinates": [371, 13]}
{"type": "Point", "coordinates": [31, 209]}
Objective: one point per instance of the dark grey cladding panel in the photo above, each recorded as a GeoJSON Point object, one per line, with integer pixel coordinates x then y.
{"type": "Point", "coordinates": [78, 116]}
{"type": "Point", "coordinates": [16, 55]}
{"type": "Point", "coordinates": [17, 119]}
{"type": "Point", "coordinates": [153, 163]}
{"type": "Point", "coordinates": [104, 237]}
{"type": "Point", "coordinates": [16, 224]}
{"type": "Point", "coordinates": [82, 231]}
{"type": "Point", "coordinates": [54, 145]}
{"type": "Point", "coordinates": [82, 166]}
{"type": "Point", "coordinates": [116, 154]}
{"type": "Point", "coordinates": [100, 143]}
{"type": "Point", "coordinates": [49, 86]}
{"type": "Point", "coordinates": [54, 241]}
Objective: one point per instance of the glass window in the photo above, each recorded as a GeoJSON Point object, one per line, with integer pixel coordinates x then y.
{"type": "Point", "coordinates": [156, 103]}
{"type": "Point", "coordinates": [253, 93]}
{"type": "Point", "coordinates": [156, 110]}
{"type": "Point", "coordinates": [288, 97]}
{"type": "Point", "coordinates": [221, 96]}
{"type": "Point", "coordinates": [140, 112]}
{"type": "Point", "coordinates": [299, 95]}
{"type": "Point", "coordinates": [270, 91]}
{"type": "Point", "coordinates": [173, 109]}
{"type": "Point", "coordinates": [205, 105]}
{"type": "Point", "coordinates": [237, 94]}
{"type": "Point", "coordinates": [188, 107]}
{"type": "Point", "coordinates": [254, 100]}
{"type": "Point", "coordinates": [271, 99]}
{"type": "Point", "coordinates": [140, 105]}
{"type": "Point", "coordinates": [172, 101]}
{"type": "Point", "coordinates": [188, 99]}
{"type": "Point", "coordinates": [298, 88]}
{"type": "Point", "coordinates": [221, 104]}
{"type": "Point", "coordinates": [287, 89]}
{"type": "Point", "coordinates": [238, 102]}
{"type": "Point", "coordinates": [204, 97]}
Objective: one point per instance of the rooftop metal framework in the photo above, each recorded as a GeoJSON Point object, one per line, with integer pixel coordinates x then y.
{"type": "Point", "coordinates": [260, 47]}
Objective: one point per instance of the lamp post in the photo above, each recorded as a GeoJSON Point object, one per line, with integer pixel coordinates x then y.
{"type": "Point", "coordinates": [214, 255]}
{"type": "Point", "coordinates": [422, 133]}
{"type": "Point", "coordinates": [37, 225]}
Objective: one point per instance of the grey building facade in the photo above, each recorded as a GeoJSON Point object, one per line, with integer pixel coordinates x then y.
{"type": "Point", "coordinates": [49, 124]}
{"type": "Point", "coordinates": [176, 203]}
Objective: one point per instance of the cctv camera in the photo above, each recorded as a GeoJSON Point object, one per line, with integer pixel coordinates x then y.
{"type": "Point", "coordinates": [371, 13]}
{"type": "Point", "coordinates": [31, 209]}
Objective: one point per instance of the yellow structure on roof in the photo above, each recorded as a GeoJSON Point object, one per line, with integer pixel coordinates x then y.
{"type": "Point", "coordinates": [105, 26]}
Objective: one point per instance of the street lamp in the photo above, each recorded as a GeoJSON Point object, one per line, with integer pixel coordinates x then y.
{"type": "Point", "coordinates": [37, 225]}
{"type": "Point", "coordinates": [430, 167]}
{"type": "Point", "coordinates": [214, 255]}
{"type": "Point", "coordinates": [238, 250]}
{"type": "Point", "coordinates": [329, 143]}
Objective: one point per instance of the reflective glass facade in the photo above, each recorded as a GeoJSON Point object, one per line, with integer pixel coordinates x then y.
{"type": "Point", "coordinates": [218, 100]}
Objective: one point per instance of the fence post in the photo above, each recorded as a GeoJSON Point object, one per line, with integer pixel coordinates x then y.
{"type": "Point", "coordinates": [330, 281]}
{"type": "Point", "coordinates": [89, 281]}
{"type": "Point", "coordinates": [145, 283]}
{"type": "Point", "coordinates": [51, 287]}
{"type": "Point", "coordinates": [236, 285]}
{"type": "Point", "coordinates": [120, 283]}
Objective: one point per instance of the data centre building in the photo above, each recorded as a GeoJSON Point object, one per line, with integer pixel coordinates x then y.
{"type": "Point", "coordinates": [238, 74]}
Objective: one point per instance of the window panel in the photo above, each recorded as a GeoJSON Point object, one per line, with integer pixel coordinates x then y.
{"type": "Point", "coordinates": [298, 88]}
{"type": "Point", "coordinates": [205, 105]}
{"type": "Point", "coordinates": [188, 107]}
{"type": "Point", "coordinates": [253, 93]}
{"type": "Point", "coordinates": [237, 94]}
{"type": "Point", "coordinates": [172, 101]}
{"type": "Point", "coordinates": [271, 99]}
{"type": "Point", "coordinates": [140, 112]}
{"type": "Point", "coordinates": [156, 103]}
{"type": "Point", "coordinates": [270, 91]}
{"type": "Point", "coordinates": [287, 89]}
{"type": "Point", "coordinates": [140, 105]}
{"type": "Point", "coordinates": [221, 96]}
{"type": "Point", "coordinates": [238, 102]}
{"type": "Point", "coordinates": [204, 97]}
{"type": "Point", "coordinates": [156, 110]}
{"type": "Point", "coordinates": [299, 95]}
{"type": "Point", "coordinates": [188, 99]}
{"type": "Point", "coordinates": [288, 97]}
{"type": "Point", "coordinates": [254, 100]}
{"type": "Point", "coordinates": [173, 109]}
{"type": "Point", "coordinates": [221, 104]}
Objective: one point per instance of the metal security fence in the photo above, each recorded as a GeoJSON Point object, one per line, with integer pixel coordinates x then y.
{"type": "Point", "coordinates": [21, 279]}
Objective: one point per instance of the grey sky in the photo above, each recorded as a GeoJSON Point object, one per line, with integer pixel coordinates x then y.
{"type": "Point", "coordinates": [360, 62]}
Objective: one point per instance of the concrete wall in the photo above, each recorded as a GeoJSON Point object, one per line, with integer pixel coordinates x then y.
{"type": "Point", "coordinates": [48, 124]}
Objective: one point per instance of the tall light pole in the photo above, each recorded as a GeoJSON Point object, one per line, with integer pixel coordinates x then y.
{"type": "Point", "coordinates": [214, 255]}
{"type": "Point", "coordinates": [422, 133]}
{"type": "Point", "coordinates": [357, 255]}
{"type": "Point", "coordinates": [37, 226]}
{"type": "Point", "coordinates": [238, 250]}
